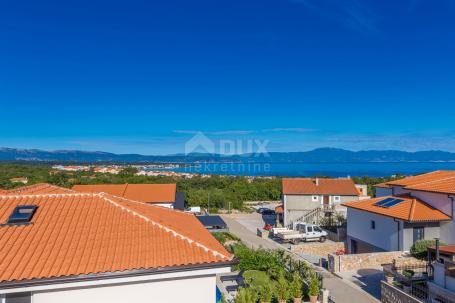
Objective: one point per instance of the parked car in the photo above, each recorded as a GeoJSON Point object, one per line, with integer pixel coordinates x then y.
{"type": "Point", "coordinates": [303, 232]}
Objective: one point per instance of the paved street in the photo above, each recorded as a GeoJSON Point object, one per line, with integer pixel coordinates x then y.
{"type": "Point", "coordinates": [341, 290]}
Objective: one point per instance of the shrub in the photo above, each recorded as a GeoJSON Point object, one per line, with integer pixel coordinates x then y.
{"type": "Point", "coordinates": [245, 295]}
{"type": "Point", "coordinates": [220, 237]}
{"type": "Point", "coordinates": [313, 287]}
{"type": "Point", "coordinates": [295, 287]}
{"type": "Point", "coordinates": [265, 292]}
{"type": "Point", "coordinates": [282, 288]}
{"type": "Point", "coordinates": [419, 248]}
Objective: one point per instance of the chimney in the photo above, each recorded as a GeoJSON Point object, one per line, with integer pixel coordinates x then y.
{"type": "Point", "coordinates": [316, 181]}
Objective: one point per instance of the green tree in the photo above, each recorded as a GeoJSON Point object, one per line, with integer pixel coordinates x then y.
{"type": "Point", "coordinates": [295, 287]}
{"type": "Point", "coordinates": [245, 295]}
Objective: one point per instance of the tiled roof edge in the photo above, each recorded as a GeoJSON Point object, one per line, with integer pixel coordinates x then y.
{"type": "Point", "coordinates": [167, 229]}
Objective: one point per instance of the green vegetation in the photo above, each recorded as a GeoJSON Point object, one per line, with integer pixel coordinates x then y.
{"type": "Point", "coordinates": [222, 237]}
{"type": "Point", "coordinates": [224, 191]}
{"type": "Point", "coordinates": [314, 286]}
{"type": "Point", "coordinates": [245, 295]}
{"type": "Point", "coordinates": [295, 287]}
{"type": "Point", "coordinates": [272, 273]}
{"type": "Point", "coordinates": [419, 248]}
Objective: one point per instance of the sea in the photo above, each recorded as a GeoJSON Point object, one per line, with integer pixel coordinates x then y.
{"type": "Point", "coordinates": [373, 169]}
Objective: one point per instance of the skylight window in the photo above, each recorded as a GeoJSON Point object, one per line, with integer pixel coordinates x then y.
{"type": "Point", "coordinates": [22, 214]}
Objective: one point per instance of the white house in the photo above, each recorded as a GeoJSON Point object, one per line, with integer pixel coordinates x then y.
{"type": "Point", "coordinates": [442, 287]}
{"type": "Point", "coordinates": [99, 248]}
{"type": "Point", "coordinates": [406, 210]}
{"type": "Point", "coordinates": [300, 196]}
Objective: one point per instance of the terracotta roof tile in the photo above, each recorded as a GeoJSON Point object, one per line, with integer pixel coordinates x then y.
{"type": "Point", "coordinates": [40, 188]}
{"type": "Point", "coordinates": [423, 178]}
{"type": "Point", "coordinates": [411, 210]}
{"type": "Point", "coordinates": [151, 193]}
{"type": "Point", "coordinates": [84, 233]}
{"type": "Point", "coordinates": [383, 185]}
{"type": "Point", "coordinates": [320, 186]}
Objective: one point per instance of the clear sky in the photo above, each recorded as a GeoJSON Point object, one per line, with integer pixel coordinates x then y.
{"type": "Point", "coordinates": [144, 76]}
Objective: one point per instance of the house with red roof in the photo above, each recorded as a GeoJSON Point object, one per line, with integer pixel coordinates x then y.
{"type": "Point", "coordinates": [303, 196]}
{"type": "Point", "coordinates": [59, 245]}
{"type": "Point", "coordinates": [404, 211]}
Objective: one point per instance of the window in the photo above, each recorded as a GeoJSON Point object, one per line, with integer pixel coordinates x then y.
{"type": "Point", "coordinates": [336, 198]}
{"type": "Point", "coordinates": [317, 229]}
{"type": "Point", "coordinates": [373, 224]}
{"type": "Point", "coordinates": [309, 229]}
{"type": "Point", "coordinates": [22, 214]}
{"type": "Point", "coordinates": [19, 298]}
{"type": "Point", "coordinates": [314, 198]}
{"type": "Point", "coordinates": [418, 233]}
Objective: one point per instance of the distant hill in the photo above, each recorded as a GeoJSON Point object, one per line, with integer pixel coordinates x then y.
{"type": "Point", "coordinates": [320, 155]}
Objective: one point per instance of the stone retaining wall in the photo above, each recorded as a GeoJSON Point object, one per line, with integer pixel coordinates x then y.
{"type": "Point", "coordinates": [392, 294]}
{"type": "Point", "coordinates": [318, 249]}
{"type": "Point", "coordinates": [361, 261]}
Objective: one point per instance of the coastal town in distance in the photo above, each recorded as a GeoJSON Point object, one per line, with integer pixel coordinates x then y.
{"type": "Point", "coordinates": [242, 151]}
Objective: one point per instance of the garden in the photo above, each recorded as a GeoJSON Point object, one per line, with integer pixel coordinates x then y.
{"type": "Point", "coordinates": [273, 276]}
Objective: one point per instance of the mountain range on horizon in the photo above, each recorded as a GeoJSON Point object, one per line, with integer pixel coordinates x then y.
{"type": "Point", "coordinates": [319, 155]}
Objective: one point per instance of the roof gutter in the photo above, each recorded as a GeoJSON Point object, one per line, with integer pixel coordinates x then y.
{"type": "Point", "coordinates": [115, 275]}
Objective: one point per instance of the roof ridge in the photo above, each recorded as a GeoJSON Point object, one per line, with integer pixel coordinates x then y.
{"type": "Point", "coordinates": [47, 195]}
{"type": "Point", "coordinates": [432, 181]}
{"type": "Point", "coordinates": [411, 211]}
{"type": "Point", "coordinates": [124, 190]}
{"type": "Point", "coordinates": [167, 229]}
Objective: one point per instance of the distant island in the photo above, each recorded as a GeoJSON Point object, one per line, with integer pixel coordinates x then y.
{"type": "Point", "coordinates": [319, 155]}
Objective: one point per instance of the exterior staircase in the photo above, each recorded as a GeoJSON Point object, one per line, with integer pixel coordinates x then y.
{"type": "Point", "coordinates": [314, 216]}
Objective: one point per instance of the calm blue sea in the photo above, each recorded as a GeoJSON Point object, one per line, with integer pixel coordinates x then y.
{"type": "Point", "coordinates": [312, 169]}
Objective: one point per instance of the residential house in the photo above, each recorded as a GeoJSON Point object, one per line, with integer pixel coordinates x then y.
{"type": "Point", "coordinates": [442, 287]}
{"type": "Point", "coordinates": [98, 248]}
{"type": "Point", "coordinates": [417, 207]}
{"type": "Point", "coordinates": [301, 196]}
{"type": "Point", "coordinates": [158, 194]}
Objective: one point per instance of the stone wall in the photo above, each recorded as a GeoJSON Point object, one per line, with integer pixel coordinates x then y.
{"type": "Point", "coordinates": [318, 249]}
{"type": "Point", "coordinates": [392, 294]}
{"type": "Point", "coordinates": [361, 261]}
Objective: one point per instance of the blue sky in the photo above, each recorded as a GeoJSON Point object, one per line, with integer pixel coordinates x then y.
{"type": "Point", "coordinates": [144, 76]}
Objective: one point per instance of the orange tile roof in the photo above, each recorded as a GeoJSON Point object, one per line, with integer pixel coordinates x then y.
{"type": "Point", "coordinates": [383, 185]}
{"type": "Point", "coordinates": [447, 249]}
{"type": "Point", "coordinates": [424, 178]}
{"type": "Point", "coordinates": [76, 234]}
{"type": "Point", "coordinates": [308, 186]}
{"type": "Point", "coordinates": [151, 193]}
{"type": "Point", "coordinates": [40, 188]}
{"type": "Point", "coordinates": [440, 181]}
{"type": "Point", "coordinates": [411, 210]}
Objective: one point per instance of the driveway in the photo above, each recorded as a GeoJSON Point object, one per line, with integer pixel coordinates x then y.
{"type": "Point", "coordinates": [244, 226]}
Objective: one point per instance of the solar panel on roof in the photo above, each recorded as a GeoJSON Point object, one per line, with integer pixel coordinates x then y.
{"type": "Point", "coordinates": [393, 203]}
{"type": "Point", "coordinates": [382, 202]}
{"type": "Point", "coordinates": [22, 214]}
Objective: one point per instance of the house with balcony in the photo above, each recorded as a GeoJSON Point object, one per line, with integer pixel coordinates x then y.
{"type": "Point", "coordinates": [404, 211]}
{"type": "Point", "coordinates": [307, 199]}
{"type": "Point", "coordinates": [441, 288]}
{"type": "Point", "coordinates": [58, 245]}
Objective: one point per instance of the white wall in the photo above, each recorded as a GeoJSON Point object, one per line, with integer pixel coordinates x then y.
{"type": "Point", "coordinates": [384, 236]}
{"type": "Point", "coordinates": [188, 290]}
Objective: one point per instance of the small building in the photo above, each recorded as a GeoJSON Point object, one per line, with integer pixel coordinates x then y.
{"type": "Point", "coordinates": [404, 210]}
{"type": "Point", "coordinates": [158, 194]}
{"type": "Point", "coordinates": [391, 223]}
{"type": "Point", "coordinates": [98, 248]}
{"type": "Point", "coordinates": [301, 196]}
